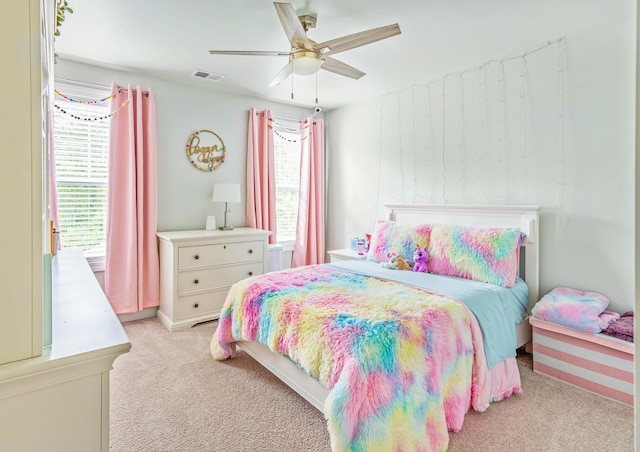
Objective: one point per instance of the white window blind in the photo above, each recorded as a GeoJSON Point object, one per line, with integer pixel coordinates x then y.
{"type": "Point", "coordinates": [81, 153]}
{"type": "Point", "coordinates": [287, 149]}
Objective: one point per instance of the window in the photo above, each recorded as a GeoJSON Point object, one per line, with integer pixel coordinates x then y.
{"type": "Point", "coordinates": [286, 147]}
{"type": "Point", "coordinates": [81, 154]}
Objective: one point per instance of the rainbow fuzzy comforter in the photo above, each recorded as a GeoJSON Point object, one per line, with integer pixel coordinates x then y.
{"type": "Point", "coordinates": [398, 360]}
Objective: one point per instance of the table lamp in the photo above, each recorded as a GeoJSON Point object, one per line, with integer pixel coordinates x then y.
{"type": "Point", "coordinates": [226, 193]}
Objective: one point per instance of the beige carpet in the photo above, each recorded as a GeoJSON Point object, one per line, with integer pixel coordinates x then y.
{"type": "Point", "coordinates": [168, 394]}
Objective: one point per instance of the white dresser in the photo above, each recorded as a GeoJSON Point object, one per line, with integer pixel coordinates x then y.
{"type": "Point", "coordinates": [198, 267]}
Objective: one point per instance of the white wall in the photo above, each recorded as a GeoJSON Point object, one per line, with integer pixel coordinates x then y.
{"type": "Point", "coordinates": [554, 128]}
{"type": "Point", "coordinates": [184, 193]}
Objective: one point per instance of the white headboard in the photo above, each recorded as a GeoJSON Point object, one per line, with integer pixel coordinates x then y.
{"type": "Point", "coordinates": [523, 217]}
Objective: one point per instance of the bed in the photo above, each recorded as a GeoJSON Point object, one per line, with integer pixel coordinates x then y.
{"type": "Point", "coordinates": [411, 398]}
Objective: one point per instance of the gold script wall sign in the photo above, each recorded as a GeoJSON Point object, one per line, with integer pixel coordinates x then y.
{"type": "Point", "coordinates": [205, 150]}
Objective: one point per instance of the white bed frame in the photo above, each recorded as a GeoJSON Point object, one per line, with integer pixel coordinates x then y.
{"type": "Point", "coordinates": [523, 217]}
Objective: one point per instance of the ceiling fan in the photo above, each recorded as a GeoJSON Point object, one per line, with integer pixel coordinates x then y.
{"type": "Point", "coordinates": [306, 56]}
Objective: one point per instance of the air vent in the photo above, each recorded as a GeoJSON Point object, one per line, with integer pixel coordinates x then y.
{"type": "Point", "coordinates": [208, 75]}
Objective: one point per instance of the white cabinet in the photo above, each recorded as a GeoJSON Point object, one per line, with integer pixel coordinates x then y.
{"type": "Point", "coordinates": [59, 401]}
{"type": "Point", "coordinates": [54, 398]}
{"type": "Point", "coordinates": [22, 137]}
{"type": "Point", "coordinates": [198, 267]}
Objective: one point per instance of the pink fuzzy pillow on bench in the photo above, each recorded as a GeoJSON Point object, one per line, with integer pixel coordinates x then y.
{"type": "Point", "coordinates": [573, 308]}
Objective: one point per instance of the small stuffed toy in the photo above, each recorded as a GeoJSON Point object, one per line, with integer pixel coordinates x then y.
{"type": "Point", "coordinates": [396, 262]}
{"type": "Point", "coordinates": [392, 263]}
{"type": "Point", "coordinates": [420, 257]}
{"type": "Point", "coordinates": [402, 264]}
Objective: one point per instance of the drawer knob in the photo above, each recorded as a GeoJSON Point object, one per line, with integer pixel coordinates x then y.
{"type": "Point", "coordinates": [196, 281]}
{"type": "Point", "coordinates": [195, 305]}
{"type": "Point", "coordinates": [196, 257]}
{"type": "Point", "coordinates": [250, 251]}
{"type": "Point", "coordinates": [250, 273]}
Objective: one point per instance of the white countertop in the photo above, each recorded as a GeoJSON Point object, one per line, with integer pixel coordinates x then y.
{"type": "Point", "coordinates": [178, 236]}
{"type": "Point", "coordinates": [84, 326]}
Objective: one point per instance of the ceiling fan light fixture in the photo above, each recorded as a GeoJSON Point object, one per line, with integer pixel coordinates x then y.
{"type": "Point", "coordinates": [305, 63]}
{"type": "Point", "coordinates": [307, 57]}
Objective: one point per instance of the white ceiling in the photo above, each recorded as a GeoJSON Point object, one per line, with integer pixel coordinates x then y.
{"type": "Point", "coordinates": [172, 39]}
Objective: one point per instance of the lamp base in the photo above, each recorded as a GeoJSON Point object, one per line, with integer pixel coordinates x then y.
{"type": "Point", "coordinates": [226, 228]}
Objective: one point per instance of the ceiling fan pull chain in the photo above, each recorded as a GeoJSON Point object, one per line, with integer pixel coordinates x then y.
{"type": "Point", "coordinates": [291, 85]}
{"type": "Point", "coordinates": [316, 89]}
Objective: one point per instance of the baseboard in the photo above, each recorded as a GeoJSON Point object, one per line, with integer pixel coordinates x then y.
{"type": "Point", "coordinates": [132, 317]}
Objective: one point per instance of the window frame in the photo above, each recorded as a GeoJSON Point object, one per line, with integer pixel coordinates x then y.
{"type": "Point", "coordinates": [84, 92]}
{"type": "Point", "coordinates": [287, 131]}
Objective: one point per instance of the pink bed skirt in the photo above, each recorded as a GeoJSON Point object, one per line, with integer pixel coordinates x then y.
{"type": "Point", "coordinates": [495, 384]}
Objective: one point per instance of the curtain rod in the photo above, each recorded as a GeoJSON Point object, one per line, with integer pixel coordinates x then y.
{"type": "Point", "coordinates": [284, 118]}
{"type": "Point", "coordinates": [94, 85]}
{"type": "Point", "coordinates": [124, 88]}
{"type": "Point", "coordinates": [144, 91]}
{"type": "Point", "coordinates": [85, 84]}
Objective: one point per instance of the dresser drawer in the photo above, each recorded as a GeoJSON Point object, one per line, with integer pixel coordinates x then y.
{"type": "Point", "coordinates": [225, 253]}
{"type": "Point", "coordinates": [207, 304]}
{"type": "Point", "coordinates": [216, 277]}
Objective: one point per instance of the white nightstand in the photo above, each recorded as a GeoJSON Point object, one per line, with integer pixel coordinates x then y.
{"type": "Point", "coordinates": [345, 254]}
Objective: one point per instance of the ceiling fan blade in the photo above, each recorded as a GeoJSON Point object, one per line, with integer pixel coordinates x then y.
{"type": "Point", "coordinates": [357, 39]}
{"type": "Point", "coordinates": [340, 68]}
{"type": "Point", "coordinates": [292, 25]}
{"type": "Point", "coordinates": [248, 52]}
{"type": "Point", "coordinates": [282, 75]}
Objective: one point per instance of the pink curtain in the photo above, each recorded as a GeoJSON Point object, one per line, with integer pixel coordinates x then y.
{"type": "Point", "coordinates": [261, 181]}
{"type": "Point", "coordinates": [132, 270]}
{"type": "Point", "coordinates": [309, 245]}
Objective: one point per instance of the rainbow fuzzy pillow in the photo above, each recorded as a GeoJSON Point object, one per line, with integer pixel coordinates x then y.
{"type": "Point", "coordinates": [399, 239]}
{"type": "Point", "coordinates": [483, 254]}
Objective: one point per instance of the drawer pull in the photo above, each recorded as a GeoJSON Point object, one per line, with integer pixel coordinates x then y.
{"type": "Point", "coordinates": [196, 281]}
{"type": "Point", "coordinates": [195, 305]}
{"type": "Point", "coordinates": [196, 257]}
{"type": "Point", "coordinates": [250, 273]}
{"type": "Point", "coordinates": [250, 251]}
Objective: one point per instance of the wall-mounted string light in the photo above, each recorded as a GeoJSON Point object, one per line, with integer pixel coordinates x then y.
{"type": "Point", "coordinates": [561, 153]}
{"type": "Point", "coordinates": [461, 143]}
{"type": "Point", "coordinates": [502, 139]}
{"type": "Point", "coordinates": [490, 157]}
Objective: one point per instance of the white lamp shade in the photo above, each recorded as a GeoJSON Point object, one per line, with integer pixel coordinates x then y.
{"type": "Point", "coordinates": [306, 65]}
{"type": "Point", "coordinates": [226, 193]}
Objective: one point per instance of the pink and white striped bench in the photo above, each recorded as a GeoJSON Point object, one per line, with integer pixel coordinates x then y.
{"type": "Point", "coordinates": [596, 362]}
